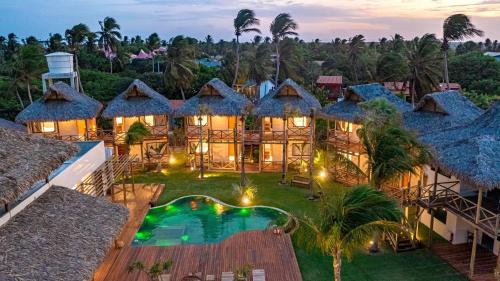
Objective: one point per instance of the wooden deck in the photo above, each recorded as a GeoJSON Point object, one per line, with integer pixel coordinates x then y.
{"type": "Point", "coordinates": [262, 249]}
{"type": "Point", "coordinates": [458, 256]}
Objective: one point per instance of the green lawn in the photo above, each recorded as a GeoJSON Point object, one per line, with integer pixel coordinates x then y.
{"type": "Point", "coordinates": [416, 265]}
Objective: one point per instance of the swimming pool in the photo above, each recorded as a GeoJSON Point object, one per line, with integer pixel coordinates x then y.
{"type": "Point", "coordinates": [201, 220]}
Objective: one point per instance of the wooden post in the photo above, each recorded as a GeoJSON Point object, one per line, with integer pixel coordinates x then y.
{"type": "Point", "coordinates": [476, 222]}
{"type": "Point", "coordinates": [243, 180]}
{"type": "Point", "coordinates": [209, 145]}
{"type": "Point", "coordinates": [417, 217]}
{"type": "Point", "coordinates": [431, 197]}
{"type": "Point", "coordinates": [311, 150]}
{"type": "Point", "coordinates": [124, 189]}
{"type": "Point", "coordinates": [284, 156]}
{"type": "Point", "coordinates": [235, 143]}
{"type": "Point", "coordinates": [201, 145]}
{"type": "Point", "coordinates": [327, 145]}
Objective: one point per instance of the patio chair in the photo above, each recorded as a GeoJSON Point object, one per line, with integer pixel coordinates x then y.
{"type": "Point", "coordinates": [259, 275]}
{"type": "Point", "coordinates": [227, 276]}
{"type": "Point", "coordinates": [165, 277]}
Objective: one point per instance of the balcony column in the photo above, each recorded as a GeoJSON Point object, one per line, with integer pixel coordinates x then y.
{"type": "Point", "coordinates": [200, 145]}
{"type": "Point", "coordinates": [474, 242]}
{"type": "Point", "coordinates": [243, 180]}
{"type": "Point", "coordinates": [311, 150]}
{"type": "Point", "coordinates": [431, 197]}
{"type": "Point", "coordinates": [235, 143]}
{"type": "Point", "coordinates": [284, 156]}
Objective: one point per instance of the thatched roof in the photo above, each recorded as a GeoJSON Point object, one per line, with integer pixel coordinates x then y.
{"type": "Point", "coordinates": [217, 98]}
{"type": "Point", "coordinates": [60, 103]}
{"type": "Point", "coordinates": [138, 100]}
{"type": "Point", "coordinates": [442, 110]}
{"type": "Point", "coordinates": [470, 152]}
{"type": "Point", "coordinates": [349, 110]}
{"type": "Point", "coordinates": [27, 159]}
{"type": "Point", "coordinates": [287, 99]}
{"type": "Point", "coordinates": [63, 235]}
{"type": "Point", "coordinates": [7, 124]}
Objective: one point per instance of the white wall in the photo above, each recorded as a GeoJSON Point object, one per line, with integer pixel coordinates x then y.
{"type": "Point", "coordinates": [69, 177]}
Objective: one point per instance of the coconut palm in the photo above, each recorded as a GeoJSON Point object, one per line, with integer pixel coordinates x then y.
{"type": "Point", "coordinates": [391, 150]}
{"type": "Point", "coordinates": [259, 64]}
{"type": "Point", "coordinates": [179, 64]}
{"type": "Point", "coordinates": [423, 57]}
{"type": "Point", "coordinates": [109, 35]}
{"type": "Point", "coordinates": [355, 49]}
{"type": "Point", "coordinates": [282, 26]}
{"type": "Point", "coordinates": [153, 42]}
{"type": "Point", "coordinates": [242, 24]}
{"type": "Point", "coordinates": [203, 110]}
{"type": "Point", "coordinates": [75, 37]}
{"type": "Point", "coordinates": [244, 114]}
{"type": "Point", "coordinates": [344, 225]}
{"type": "Point", "coordinates": [456, 27]}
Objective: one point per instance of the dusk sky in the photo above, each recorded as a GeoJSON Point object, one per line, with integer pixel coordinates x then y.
{"type": "Point", "coordinates": [324, 19]}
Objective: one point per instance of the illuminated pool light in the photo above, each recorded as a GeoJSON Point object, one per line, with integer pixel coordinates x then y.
{"type": "Point", "coordinates": [244, 212]}
{"type": "Point", "coordinates": [185, 237]}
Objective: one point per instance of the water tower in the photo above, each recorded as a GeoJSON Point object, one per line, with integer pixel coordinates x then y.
{"type": "Point", "coordinates": [60, 67]}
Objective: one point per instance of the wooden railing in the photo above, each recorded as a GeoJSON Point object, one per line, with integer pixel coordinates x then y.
{"type": "Point", "coordinates": [215, 136]}
{"type": "Point", "coordinates": [344, 140]}
{"type": "Point", "coordinates": [273, 136]}
{"type": "Point", "coordinates": [193, 132]}
{"type": "Point", "coordinates": [298, 132]}
{"type": "Point", "coordinates": [443, 195]}
{"type": "Point", "coordinates": [103, 178]}
{"type": "Point", "coordinates": [158, 131]}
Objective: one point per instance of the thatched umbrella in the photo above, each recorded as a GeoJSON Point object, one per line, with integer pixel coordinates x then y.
{"type": "Point", "coordinates": [60, 102]}
{"type": "Point", "coordinates": [63, 235]}
{"type": "Point", "coordinates": [287, 100]}
{"type": "Point", "coordinates": [138, 100]}
{"type": "Point", "coordinates": [27, 159]}
{"type": "Point", "coordinates": [214, 98]}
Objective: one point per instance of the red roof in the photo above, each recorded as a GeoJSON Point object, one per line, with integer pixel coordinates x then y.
{"type": "Point", "coordinates": [329, 80]}
{"type": "Point", "coordinates": [176, 103]}
{"type": "Point", "coordinates": [453, 87]}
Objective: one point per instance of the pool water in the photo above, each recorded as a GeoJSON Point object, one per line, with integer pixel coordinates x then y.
{"type": "Point", "coordinates": [201, 220]}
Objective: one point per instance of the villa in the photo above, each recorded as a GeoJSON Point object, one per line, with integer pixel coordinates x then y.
{"type": "Point", "coordinates": [344, 118]}
{"type": "Point", "coordinates": [287, 134]}
{"type": "Point", "coordinates": [213, 126]}
{"type": "Point", "coordinates": [62, 113]}
{"type": "Point", "coordinates": [140, 103]}
{"type": "Point", "coordinates": [45, 223]}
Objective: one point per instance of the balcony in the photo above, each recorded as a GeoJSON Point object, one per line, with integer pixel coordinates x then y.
{"type": "Point", "coordinates": [345, 141]}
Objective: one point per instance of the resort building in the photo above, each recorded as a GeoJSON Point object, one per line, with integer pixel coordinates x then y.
{"type": "Point", "coordinates": [347, 160]}
{"type": "Point", "coordinates": [287, 128]}
{"type": "Point", "coordinates": [140, 103]}
{"type": "Point", "coordinates": [51, 232]}
{"type": "Point", "coordinates": [214, 123]}
{"type": "Point", "coordinates": [62, 113]}
{"type": "Point", "coordinates": [333, 84]}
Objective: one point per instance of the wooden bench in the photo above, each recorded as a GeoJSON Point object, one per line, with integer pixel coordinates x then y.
{"type": "Point", "coordinates": [300, 180]}
{"type": "Point", "coordinates": [156, 195]}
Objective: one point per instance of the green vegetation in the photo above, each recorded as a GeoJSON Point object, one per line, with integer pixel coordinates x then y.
{"type": "Point", "coordinates": [417, 265]}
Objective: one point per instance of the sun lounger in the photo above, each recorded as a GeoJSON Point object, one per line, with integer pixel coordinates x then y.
{"type": "Point", "coordinates": [227, 276]}
{"type": "Point", "coordinates": [259, 275]}
{"type": "Point", "coordinates": [165, 277]}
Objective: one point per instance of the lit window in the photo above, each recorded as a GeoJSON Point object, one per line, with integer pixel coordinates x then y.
{"type": "Point", "coordinates": [231, 158]}
{"type": "Point", "coordinates": [205, 148]}
{"type": "Point", "coordinates": [149, 120]}
{"type": "Point", "coordinates": [119, 120]}
{"type": "Point", "coordinates": [204, 120]}
{"type": "Point", "coordinates": [48, 127]}
{"type": "Point", "coordinates": [267, 152]}
{"type": "Point", "coordinates": [300, 121]}
{"type": "Point", "coordinates": [346, 127]}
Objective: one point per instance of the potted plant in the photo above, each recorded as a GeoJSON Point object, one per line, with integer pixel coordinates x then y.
{"type": "Point", "coordinates": [153, 273]}
{"type": "Point", "coordinates": [242, 273]}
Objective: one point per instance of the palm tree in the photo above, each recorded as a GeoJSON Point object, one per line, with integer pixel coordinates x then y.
{"type": "Point", "coordinates": [355, 49]}
{"type": "Point", "coordinates": [423, 59]}
{"type": "Point", "coordinates": [259, 64]}
{"type": "Point", "coordinates": [242, 24]}
{"type": "Point", "coordinates": [391, 150]}
{"type": "Point", "coordinates": [456, 27]}
{"type": "Point", "coordinates": [109, 36]}
{"type": "Point", "coordinates": [282, 26]}
{"type": "Point", "coordinates": [75, 37]}
{"type": "Point", "coordinates": [153, 43]}
{"type": "Point", "coordinates": [344, 225]}
{"type": "Point", "coordinates": [179, 61]}
{"type": "Point", "coordinates": [244, 114]}
{"type": "Point", "coordinates": [203, 110]}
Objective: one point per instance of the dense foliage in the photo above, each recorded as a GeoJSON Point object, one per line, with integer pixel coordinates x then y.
{"type": "Point", "coordinates": [174, 72]}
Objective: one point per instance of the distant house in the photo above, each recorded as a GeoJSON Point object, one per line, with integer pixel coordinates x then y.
{"type": "Point", "coordinates": [496, 55]}
{"type": "Point", "coordinates": [403, 88]}
{"type": "Point", "coordinates": [453, 87]}
{"type": "Point", "coordinates": [209, 62]}
{"type": "Point", "coordinates": [265, 87]}
{"type": "Point", "coordinates": [333, 84]}
{"type": "Point", "coordinates": [254, 91]}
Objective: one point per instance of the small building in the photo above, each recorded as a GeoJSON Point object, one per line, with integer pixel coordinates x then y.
{"type": "Point", "coordinates": [62, 113]}
{"type": "Point", "coordinates": [287, 128]}
{"type": "Point", "coordinates": [213, 126]}
{"type": "Point", "coordinates": [344, 119]}
{"type": "Point", "coordinates": [140, 103]}
{"type": "Point", "coordinates": [453, 87]}
{"type": "Point", "coordinates": [255, 91]}
{"type": "Point", "coordinates": [51, 232]}
{"type": "Point", "coordinates": [333, 84]}
{"type": "Point", "coordinates": [496, 55]}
